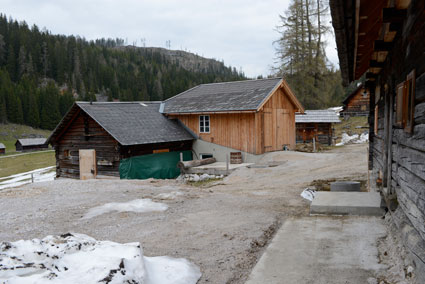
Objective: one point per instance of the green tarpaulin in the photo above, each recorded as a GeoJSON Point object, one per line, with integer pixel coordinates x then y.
{"type": "Point", "coordinates": [159, 166]}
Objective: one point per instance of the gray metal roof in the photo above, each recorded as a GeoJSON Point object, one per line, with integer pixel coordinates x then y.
{"type": "Point", "coordinates": [32, 141]}
{"type": "Point", "coordinates": [2, 146]}
{"type": "Point", "coordinates": [317, 116]}
{"type": "Point", "coordinates": [134, 123]}
{"type": "Point", "coordinates": [227, 96]}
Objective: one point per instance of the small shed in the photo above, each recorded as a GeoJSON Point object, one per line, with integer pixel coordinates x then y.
{"type": "Point", "coordinates": [106, 134]}
{"type": "Point", "coordinates": [357, 103]}
{"type": "Point", "coordinates": [31, 144]}
{"type": "Point", "coordinates": [2, 149]}
{"type": "Point", "coordinates": [316, 124]}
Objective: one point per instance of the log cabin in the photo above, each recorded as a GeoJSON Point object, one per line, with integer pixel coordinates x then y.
{"type": "Point", "coordinates": [115, 131]}
{"type": "Point", "coordinates": [31, 144]}
{"type": "Point", "coordinates": [357, 103]}
{"type": "Point", "coordinates": [385, 41]}
{"type": "Point", "coordinates": [253, 116]}
{"type": "Point", "coordinates": [316, 124]}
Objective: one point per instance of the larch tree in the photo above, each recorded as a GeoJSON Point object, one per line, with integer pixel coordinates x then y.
{"type": "Point", "coordinates": [301, 55]}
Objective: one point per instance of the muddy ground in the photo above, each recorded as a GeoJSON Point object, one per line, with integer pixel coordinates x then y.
{"type": "Point", "coordinates": [222, 228]}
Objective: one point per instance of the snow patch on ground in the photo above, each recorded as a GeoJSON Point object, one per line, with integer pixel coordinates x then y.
{"type": "Point", "coordinates": [39, 175]}
{"type": "Point", "coordinates": [78, 258]}
{"type": "Point", "coordinates": [137, 205]}
{"type": "Point", "coordinates": [168, 195]}
{"type": "Point", "coordinates": [355, 138]}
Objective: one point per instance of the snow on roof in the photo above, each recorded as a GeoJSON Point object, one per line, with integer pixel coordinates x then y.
{"type": "Point", "coordinates": [2, 146]}
{"type": "Point", "coordinates": [317, 116]}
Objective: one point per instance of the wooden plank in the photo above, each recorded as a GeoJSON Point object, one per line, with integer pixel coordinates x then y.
{"type": "Point", "coordinates": [88, 167]}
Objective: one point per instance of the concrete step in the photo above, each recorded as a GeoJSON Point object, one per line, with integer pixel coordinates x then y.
{"type": "Point", "coordinates": [347, 203]}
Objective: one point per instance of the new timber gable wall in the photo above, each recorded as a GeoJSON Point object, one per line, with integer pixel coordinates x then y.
{"type": "Point", "coordinates": [269, 129]}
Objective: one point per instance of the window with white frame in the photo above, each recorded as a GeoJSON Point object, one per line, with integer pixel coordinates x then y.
{"type": "Point", "coordinates": [204, 124]}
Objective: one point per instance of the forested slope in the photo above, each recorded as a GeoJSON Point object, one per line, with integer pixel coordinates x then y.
{"type": "Point", "coordinates": [42, 74]}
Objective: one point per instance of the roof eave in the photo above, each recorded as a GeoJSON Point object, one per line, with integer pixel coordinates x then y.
{"type": "Point", "coordinates": [344, 46]}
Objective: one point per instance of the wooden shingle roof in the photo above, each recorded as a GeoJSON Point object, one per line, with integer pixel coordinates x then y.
{"type": "Point", "coordinates": [246, 95]}
{"type": "Point", "coordinates": [317, 116]}
{"type": "Point", "coordinates": [32, 141]}
{"type": "Point", "coordinates": [130, 123]}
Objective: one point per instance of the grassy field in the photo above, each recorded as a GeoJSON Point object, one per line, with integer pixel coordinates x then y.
{"type": "Point", "coordinates": [9, 133]}
{"type": "Point", "coordinates": [32, 161]}
{"type": "Point", "coordinates": [353, 125]}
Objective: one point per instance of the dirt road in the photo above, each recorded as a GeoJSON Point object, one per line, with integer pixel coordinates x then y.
{"type": "Point", "coordinates": [223, 228]}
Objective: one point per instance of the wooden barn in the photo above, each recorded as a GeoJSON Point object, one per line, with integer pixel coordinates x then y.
{"type": "Point", "coordinates": [2, 149]}
{"type": "Point", "coordinates": [316, 124]}
{"type": "Point", "coordinates": [357, 103]}
{"type": "Point", "coordinates": [385, 40]}
{"type": "Point", "coordinates": [31, 144]}
{"type": "Point", "coordinates": [253, 116]}
{"type": "Point", "coordinates": [115, 131]}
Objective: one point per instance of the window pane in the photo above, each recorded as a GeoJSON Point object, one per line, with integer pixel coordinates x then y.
{"type": "Point", "coordinates": [202, 129]}
{"type": "Point", "coordinates": [207, 118]}
{"type": "Point", "coordinates": [207, 123]}
{"type": "Point", "coordinates": [207, 129]}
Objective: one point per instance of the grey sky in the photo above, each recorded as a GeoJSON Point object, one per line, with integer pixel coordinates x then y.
{"type": "Point", "coordinates": [240, 32]}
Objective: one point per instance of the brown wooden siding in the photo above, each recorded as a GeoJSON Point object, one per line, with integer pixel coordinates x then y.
{"type": "Point", "coordinates": [321, 131]}
{"type": "Point", "coordinates": [358, 104]}
{"type": "Point", "coordinates": [267, 130]}
{"type": "Point", "coordinates": [234, 130]}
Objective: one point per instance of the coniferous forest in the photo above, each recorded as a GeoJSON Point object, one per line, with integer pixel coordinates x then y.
{"type": "Point", "coordinates": [41, 74]}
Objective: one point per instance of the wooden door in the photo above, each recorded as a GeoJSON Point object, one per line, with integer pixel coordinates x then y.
{"type": "Point", "coordinates": [88, 168]}
{"type": "Point", "coordinates": [282, 131]}
{"type": "Point", "coordinates": [268, 130]}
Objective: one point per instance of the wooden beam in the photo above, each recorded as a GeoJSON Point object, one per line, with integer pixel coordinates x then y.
{"type": "Point", "coordinates": [381, 45]}
{"type": "Point", "coordinates": [393, 15]}
{"type": "Point", "coordinates": [376, 64]}
{"type": "Point", "coordinates": [370, 75]}
{"type": "Point", "coordinates": [395, 27]}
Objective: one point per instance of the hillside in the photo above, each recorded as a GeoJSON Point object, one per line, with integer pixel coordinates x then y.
{"type": "Point", "coordinates": [9, 133]}
{"type": "Point", "coordinates": [42, 74]}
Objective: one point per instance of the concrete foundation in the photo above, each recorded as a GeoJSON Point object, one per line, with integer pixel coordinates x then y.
{"type": "Point", "coordinates": [347, 203]}
{"type": "Point", "coordinates": [219, 152]}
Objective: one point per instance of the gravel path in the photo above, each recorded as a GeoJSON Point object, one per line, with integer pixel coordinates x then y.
{"type": "Point", "coordinates": [222, 228]}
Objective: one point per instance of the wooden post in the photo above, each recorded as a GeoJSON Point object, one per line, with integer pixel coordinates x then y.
{"type": "Point", "coordinates": [181, 156]}
{"type": "Point", "coordinates": [227, 164]}
{"type": "Point", "coordinates": [386, 134]}
{"type": "Point", "coordinates": [32, 178]}
{"type": "Point", "coordinates": [390, 144]}
{"type": "Point", "coordinates": [314, 143]}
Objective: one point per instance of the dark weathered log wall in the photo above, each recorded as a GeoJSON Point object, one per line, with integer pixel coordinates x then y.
{"type": "Point", "coordinates": [358, 104]}
{"type": "Point", "coordinates": [397, 155]}
{"type": "Point", "coordinates": [85, 133]}
{"type": "Point", "coordinates": [321, 131]}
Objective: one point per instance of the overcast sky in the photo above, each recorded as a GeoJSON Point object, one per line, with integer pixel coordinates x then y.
{"type": "Point", "coordinates": [240, 32]}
